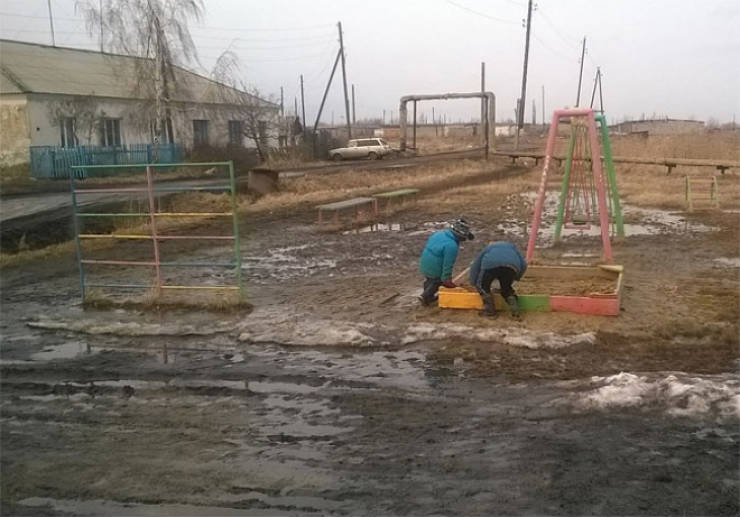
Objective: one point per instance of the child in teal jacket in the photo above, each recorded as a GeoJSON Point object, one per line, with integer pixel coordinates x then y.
{"type": "Point", "coordinates": [439, 256]}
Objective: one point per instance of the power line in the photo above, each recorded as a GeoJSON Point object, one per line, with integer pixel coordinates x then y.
{"type": "Point", "coordinates": [478, 13]}
{"type": "Point", "coordinates": [199, 27]}
{"type": "Point", "coordinates": [566, 40]}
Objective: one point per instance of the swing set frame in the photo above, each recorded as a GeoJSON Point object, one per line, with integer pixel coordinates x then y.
{"type": "Point", "coordinates": [608, 207]}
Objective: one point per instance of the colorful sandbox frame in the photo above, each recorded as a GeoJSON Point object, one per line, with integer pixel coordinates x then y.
{"type": "Point", "coordinates": [152, 215]}
{"type": "Point", "coordinates": [602, 304]}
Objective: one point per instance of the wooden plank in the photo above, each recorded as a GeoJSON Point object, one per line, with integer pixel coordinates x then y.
{"type": "Point", "coordinates": [666, 162]}
{"type": "Point", "coordinates": [349, 203]}
{"type": "Point", "coordinates": [585, 305]}
{"type": "Point", "coordinates": [397, 193]}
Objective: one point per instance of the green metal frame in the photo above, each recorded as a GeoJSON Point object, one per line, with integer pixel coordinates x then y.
{"type": "Point", "coordinates": [152, 215]}
{"type": "Point", "coordinates": [616, 207]}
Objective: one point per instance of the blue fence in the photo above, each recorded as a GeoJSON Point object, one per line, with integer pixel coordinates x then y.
{"type": "Point", "coordinates": [51, 162]}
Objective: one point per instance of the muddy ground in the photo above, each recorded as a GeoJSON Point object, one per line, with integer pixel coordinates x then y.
{"type": "Point", "coordinates": [337, 394]}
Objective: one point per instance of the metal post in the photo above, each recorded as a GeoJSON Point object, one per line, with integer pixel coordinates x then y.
{"type": "Point", "coordinates": [598, 172]}
{"type": "Point", "coordinates": [580, 74]}
{"type": "Point", "coordinates": [482, 91]}
{"type": "Point", "coordinates": [485, 124]}
{"type": "Point", "coordinates": [76, 224]}
{"type": "Point", "coordinates": [612, 177]}
{"type": "Point", "coordinates": [402, 124]}
{"type": "Point", "coordinates": [543, 185]}
{"type": "Point", "coordinates": [565, 188]}
{"type": "Point", "coordinates": [414, 126]}
{"type": "Point", "coordinates": [303, 107]}
{"type": "Point", "coordinates": [153, 222]}
{"type": "Point", "coordinates": [237, 245]}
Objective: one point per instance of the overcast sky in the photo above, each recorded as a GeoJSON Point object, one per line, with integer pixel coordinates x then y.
{"type": "Point", "coordinates": [675, 58]}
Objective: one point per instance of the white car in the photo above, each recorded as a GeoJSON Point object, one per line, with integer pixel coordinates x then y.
{"type": "Point", "coordinates": [372, 148]}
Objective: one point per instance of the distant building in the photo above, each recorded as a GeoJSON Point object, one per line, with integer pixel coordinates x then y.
{"type": "Point", "coordinates": [664, 126]}
{"type": "Point", "coordinates": [65, 98]}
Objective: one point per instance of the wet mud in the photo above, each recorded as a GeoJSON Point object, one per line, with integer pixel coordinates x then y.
{"type": "Point", "coordinates": [338, 395]}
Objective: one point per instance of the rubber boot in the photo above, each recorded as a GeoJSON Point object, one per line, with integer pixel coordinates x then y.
{"type": "Point", "coordinates": [513, 303]}
{"type": "Point", "coordinates": [489, 309]}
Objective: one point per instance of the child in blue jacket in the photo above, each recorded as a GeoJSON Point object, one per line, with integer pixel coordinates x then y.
{"type": "Point", "coordinates": [498, 261]}
{"type": "Point", "coordinates": [438, 258]}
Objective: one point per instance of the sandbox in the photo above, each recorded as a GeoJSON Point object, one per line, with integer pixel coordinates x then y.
{"type": "Point", "coordinates": [578, 289]}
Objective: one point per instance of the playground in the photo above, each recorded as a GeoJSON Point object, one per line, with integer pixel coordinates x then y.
{"type": "Point", "coordinates": [331, 390]}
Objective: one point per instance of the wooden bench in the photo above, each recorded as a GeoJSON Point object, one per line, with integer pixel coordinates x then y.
{"type": "Point", "coordinates": [400, 195]}
{"type": "Point", "coordinates": [358, 203]}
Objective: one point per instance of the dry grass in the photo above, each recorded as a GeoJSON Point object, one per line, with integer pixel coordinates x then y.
{"type": "Point", "coordinates": [321, 188]}
{"type": "Point", "coordinates": [720, 146]}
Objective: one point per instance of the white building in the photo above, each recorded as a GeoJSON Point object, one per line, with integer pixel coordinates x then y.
{"type": "Point", "coordinates": [64, 97]}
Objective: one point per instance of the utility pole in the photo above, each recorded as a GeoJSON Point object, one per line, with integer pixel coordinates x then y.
{"type": "Point", "coordinates": [522, 98]}
{"type": "Point", "coordinates": [593, 92]}
{"type": "Point", "coordinates": [51, 24]}
{"type": "Point", "coordinates": [282, 106]}
{"type": "Point", "coordinates": [303, 106]}
{"type": "Point", "coordinates": [544, 120]}
{"type": "Point", "coordinates": [323, 100]}
{"type": "Point", "coordinates": [534, 113]}
{"type": "Point", "coordinates": [101, 26]}
{"type": "Point", "coordinates": [384, 117]}
{"type": "Point", "coordinates": [580, 74]}
{"type": "Point", "coordinates": [434, 121]}
{"type": "Point", "coordinates": [344, 81]}
{"type": "Point", "coordinates": [354, 114]}
{"type": "Point", "coordinates": [295, 106]}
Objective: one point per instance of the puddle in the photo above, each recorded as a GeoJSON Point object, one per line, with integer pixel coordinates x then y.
{"type": "Point", "coordinates": [404, 369]}
{"type": "Point", "coordinates": [105, 507]}
{"type": "Point", "coordinates": [380, 227]}
{"type": "Point", "coordinates": [652, 222]}
{"type": "Point", "coordinates": [64, 351]}
{"type": "Point", "coordinates": [283, 263]}
{"type": "Point", "coordinates": [283, 387]}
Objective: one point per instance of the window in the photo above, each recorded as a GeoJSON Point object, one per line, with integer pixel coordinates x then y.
{"type": "Point", "coordinates": [111, 132]}
{"type": "Point", "coordinates": [200, 132]}
{"type": "Point", "coordinates": [368, 143]}
{"type": "Point", "coordinates": [69, 136]}
{"type": "Point", "coordinates": [235, 132]}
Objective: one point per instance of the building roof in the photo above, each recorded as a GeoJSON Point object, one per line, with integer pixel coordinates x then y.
{"type": "Point", "coordinates": [36, 68]}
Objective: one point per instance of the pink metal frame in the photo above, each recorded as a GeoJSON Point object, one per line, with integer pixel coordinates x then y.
{"type": "Point", "coordinates": [599, 180]}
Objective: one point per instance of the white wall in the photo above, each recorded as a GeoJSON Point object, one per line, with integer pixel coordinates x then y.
{"type": "Point", "coordinates": [14, 130]}
{"type": "Point", "coordinates": [44, 130]}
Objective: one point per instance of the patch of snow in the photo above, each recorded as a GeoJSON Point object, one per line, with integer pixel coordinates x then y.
{"type": "Point", "coordinates": [728, 262]}
{"type": "Point", "coordinates": [270, 326]}
{"type": "Point", "coordinates": [513, 337]}
{"type": "Point", "coordinates": [130, 328]}
{"type": "Point", "coordinates": [680, 394]}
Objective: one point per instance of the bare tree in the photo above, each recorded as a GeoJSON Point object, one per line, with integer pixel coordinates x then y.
{"type": "Point", "coordinates": [82, 109]}
{"type": "Point", "coordinates": [155, 30]}
{"type": "Point", "coordinates": [257, 114]}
